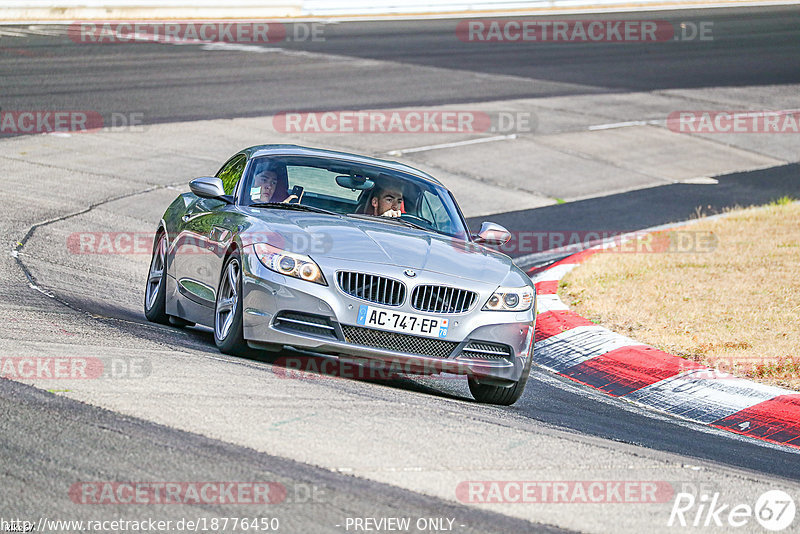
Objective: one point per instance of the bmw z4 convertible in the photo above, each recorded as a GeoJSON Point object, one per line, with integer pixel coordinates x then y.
{"type": "Point", "coordinates": [348, 256]}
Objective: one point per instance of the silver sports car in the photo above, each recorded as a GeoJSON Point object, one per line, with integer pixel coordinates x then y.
{"type": "Point", "coordinates": [344, 255]}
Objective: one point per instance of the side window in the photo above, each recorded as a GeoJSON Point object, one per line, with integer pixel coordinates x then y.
{"type": "Point", "coordinates": [231, 173]}
{"type": "Point", "coordinates": [425, 210]}
{"type": "Point", "coordinates": [431, 208]}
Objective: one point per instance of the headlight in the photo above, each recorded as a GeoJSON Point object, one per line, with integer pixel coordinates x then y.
{"type": "Point", "coordinates": [289, 263]}
{"type": "Point", "coordinates": [510, 299]}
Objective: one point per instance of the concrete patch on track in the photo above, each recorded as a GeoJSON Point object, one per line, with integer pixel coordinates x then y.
{"type": "Point", "coordinates": [658, 153]}
{"type": "Point", "coordinates": [561, 157]}
{"type": "Point", "coordinates": [555, 157]}
{"type": "Point", "coordinates": [529, 165]}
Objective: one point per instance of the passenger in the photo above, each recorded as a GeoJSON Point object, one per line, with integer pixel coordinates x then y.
{"type": "Point", "coordinates": [267, 187]}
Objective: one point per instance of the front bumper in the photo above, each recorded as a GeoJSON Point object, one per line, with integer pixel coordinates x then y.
{"type": "Point", "coordinates": [492, 346]}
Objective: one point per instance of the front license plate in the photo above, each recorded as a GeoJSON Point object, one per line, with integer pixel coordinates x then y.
{"type": "Point", "coordinates": [407, 323]}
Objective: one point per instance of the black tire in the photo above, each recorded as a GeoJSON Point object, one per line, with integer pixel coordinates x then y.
{"type": "Point", "coordinates": [228, 331]}
{"type": "Point", "coordinates": [488, 394]}
{"type": "Point", "coordinates": [155, 294]}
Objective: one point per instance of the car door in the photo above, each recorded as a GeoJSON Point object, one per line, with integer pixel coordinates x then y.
{"type": "Point", "coordinates": [206, 230]}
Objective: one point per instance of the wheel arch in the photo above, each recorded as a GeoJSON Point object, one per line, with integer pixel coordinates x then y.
{"type": "Point", "coordinates": [233, 246]}
{"type": "Point", "coordinates": [162, 230]}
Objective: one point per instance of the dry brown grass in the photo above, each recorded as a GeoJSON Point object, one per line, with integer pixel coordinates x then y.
{"type": "Point", "coordinates": [736, 308]}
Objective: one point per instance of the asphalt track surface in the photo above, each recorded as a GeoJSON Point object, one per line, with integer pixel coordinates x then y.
{"type": "Point", "coordinates": [177, 83]}
{"type": "Point", "coordinates": [173, 83]}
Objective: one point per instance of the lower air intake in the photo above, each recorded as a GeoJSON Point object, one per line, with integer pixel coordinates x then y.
{"type": "Point", "coordinates": [480, 350]}
{"type": "Point", "coordinates": [305, 323]}
{"type": "Point", "coordinates": [379, 339]}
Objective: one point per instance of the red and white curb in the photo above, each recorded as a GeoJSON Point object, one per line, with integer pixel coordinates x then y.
{"type": "Point", "coordinates": [576, 348]}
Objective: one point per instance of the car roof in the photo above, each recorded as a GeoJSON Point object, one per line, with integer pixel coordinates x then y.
{"type": "Point", "coordinates": [297, 150]}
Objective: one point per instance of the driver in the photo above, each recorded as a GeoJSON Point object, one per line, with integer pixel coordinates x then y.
{"type": "Point", "coordinates": [387, 200]}
{"type": "Point", "coordinates": [264, 188]}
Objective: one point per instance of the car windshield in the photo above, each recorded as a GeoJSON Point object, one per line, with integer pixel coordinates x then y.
{"type": "Point", "coordinates": [352, 189]}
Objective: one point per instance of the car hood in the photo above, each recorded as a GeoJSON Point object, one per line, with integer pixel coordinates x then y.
{"type": "Point", "coordinates": [323, 236]}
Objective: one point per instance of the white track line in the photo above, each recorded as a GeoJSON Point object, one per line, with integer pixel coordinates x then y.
{"type": "Point", "coordinates": [626, 124]}
{"type": "Point", "coordinates": [402, 151]}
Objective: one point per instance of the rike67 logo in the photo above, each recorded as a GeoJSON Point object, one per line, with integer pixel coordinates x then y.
{"type": "Point", "coordinates": [774, 510]}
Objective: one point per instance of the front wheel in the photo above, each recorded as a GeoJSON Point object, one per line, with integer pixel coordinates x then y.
{"type": "Point", "coordinates": [228, 332]}
{"type": "Point", "coordinates": [489, 394]}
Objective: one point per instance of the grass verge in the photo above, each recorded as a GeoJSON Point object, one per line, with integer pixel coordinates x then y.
{"type": "Point", "coordinates": [723, 292]}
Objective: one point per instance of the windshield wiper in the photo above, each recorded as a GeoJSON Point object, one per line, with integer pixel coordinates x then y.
{"type": "Point", "coordinates": [411, 224]}
{"type": "Point", "coordinates": [286, 206]}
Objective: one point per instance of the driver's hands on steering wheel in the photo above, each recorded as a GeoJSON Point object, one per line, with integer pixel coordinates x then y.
{"type": "Point", "coordinates": [391, 213]}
